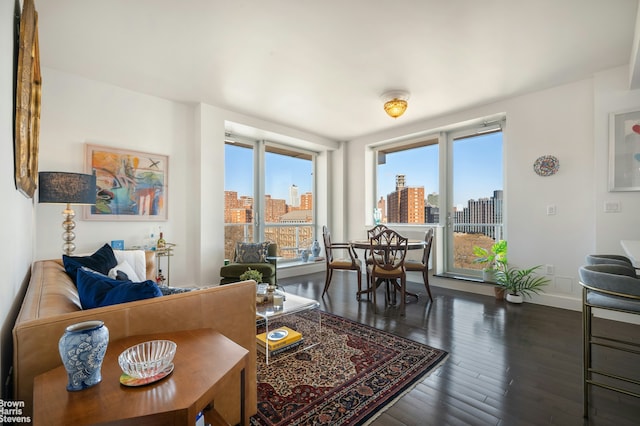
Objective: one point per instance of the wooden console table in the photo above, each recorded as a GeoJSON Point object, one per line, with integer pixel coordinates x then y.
{"type": "Point", "coordinates": [203, 357]}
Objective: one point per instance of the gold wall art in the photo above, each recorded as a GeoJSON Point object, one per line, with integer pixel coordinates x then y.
{"type": "Point", "coordinates": [28, 92]}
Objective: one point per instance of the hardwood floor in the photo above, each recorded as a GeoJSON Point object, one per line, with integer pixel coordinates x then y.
{"type": "Point", "coordinates": [508, 364]}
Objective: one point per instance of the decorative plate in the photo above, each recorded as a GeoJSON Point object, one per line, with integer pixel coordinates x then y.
{"type": "Point", "coordinates": [277, 335]}
{"type": "Point", "coordinates": [546, 165]}
{"type": "Point", "coordinates": [127, 380]}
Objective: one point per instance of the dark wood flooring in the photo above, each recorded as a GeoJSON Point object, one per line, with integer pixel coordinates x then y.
{"type": "Point", "coordinates": [508, 364]}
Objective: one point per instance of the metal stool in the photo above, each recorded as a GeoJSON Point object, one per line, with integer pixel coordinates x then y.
{"type": "Point", "coordinates": [612, 287]}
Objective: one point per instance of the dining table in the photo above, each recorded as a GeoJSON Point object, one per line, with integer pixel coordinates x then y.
{"type": "Point", "coordinates": [366, 244]}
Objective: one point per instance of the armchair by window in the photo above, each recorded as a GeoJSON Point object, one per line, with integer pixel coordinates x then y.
{"type": "Point", "coordinates": [258, 256]}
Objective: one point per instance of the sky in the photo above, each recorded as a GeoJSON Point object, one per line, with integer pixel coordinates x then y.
{"type": "Point", "coordinates": [477, 170]}
{"type": "Point", "coordinates": [282, 172]}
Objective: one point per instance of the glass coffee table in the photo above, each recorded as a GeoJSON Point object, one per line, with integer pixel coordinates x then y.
{"type": "Point", "coordinates": [297, 314]}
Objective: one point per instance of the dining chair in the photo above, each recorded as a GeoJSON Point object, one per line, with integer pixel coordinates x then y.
{"type": "Point", "coordinates": [615, 288]}
{"type": "Point", "coordinates": [370, 234]}
{"type": "Point", "coordinates": [367, 255]}
{"type": "Point", "coordinates": [388, 252]}
{"type": "Point", "coordinates": [422, 265]}
{"type": "Point", "coordinates": [351, 263]}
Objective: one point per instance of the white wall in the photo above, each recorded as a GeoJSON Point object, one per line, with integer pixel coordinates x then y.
{"type": "Point", "coordinates": [612, 95]}
{"type": "Point", "coordinates": [76, 110]}
{"type": "Point", "coordinates": [559, 122]}
{"type": "Point", "coordinates": [16, 228]}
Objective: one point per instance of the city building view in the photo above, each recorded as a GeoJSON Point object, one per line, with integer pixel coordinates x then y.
{"type": "Point", "coordinates": [284, 222]}
{"type": "Point", "coordinates": [477, 223]}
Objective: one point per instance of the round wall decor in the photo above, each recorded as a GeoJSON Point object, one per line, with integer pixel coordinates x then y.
{"type": "Point", "coordinates": [546, 165]}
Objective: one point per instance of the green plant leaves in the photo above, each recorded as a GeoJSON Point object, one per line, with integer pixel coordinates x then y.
{"type": "Point", "coordinates": [521, 281]}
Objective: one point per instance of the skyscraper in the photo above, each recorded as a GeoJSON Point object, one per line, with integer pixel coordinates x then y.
{"type": "Point", "coordinates": [294, 199]}
{"type": "Point", "coordinates": [406, 204]}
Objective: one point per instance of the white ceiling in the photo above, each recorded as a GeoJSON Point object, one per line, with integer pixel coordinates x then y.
{"type": "Point", "coordinates": [321, 66]}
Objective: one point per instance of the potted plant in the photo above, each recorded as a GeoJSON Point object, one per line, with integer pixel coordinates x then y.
{"type": "Point", "coordinates": [519, 283]}
{"type": "Point", "coordinates": [252, 274]}
{"type": "Point", "coordinates": [494, 259]}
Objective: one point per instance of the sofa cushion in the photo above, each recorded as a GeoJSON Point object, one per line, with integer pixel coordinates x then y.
{"type": "Point", "coordinates": [101, 261]}
{"type": "Point", "coordinates": [124, 271]}
{"type": "Point", "coordinates": [136, 259]}
{"type": "Point", "coordinates": [97, 290]}
{"type": "Point", "coordinates": [251, 252]}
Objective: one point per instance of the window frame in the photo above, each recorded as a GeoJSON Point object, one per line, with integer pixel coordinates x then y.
{"type": "Point", "coordinates": [260, 149]}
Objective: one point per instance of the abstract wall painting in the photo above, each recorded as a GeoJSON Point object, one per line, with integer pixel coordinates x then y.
{"type": "Point", "coordinates": [131, 185]}
{"type": "Point", "coordinates": [624, 151]}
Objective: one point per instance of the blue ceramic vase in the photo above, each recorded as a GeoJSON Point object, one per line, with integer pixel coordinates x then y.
{"type": "Point", "coordinates": [315, 248]}
{"type": "Point", "coordinates": [305, 255]}
{"type": "Point", "coordinates": [82, 348]}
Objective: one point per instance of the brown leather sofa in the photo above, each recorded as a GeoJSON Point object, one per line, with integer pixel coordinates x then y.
{"type": "Point", "coordinates": [52, 303]}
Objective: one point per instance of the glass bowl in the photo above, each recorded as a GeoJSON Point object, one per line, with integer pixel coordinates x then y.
{"type": "Point", "coordinates": [147, 359]}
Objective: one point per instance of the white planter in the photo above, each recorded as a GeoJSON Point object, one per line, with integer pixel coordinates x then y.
{"type": "Point", "coordinates": [489, 275]}
{"type": "Point", "coordinates": [514, 298]}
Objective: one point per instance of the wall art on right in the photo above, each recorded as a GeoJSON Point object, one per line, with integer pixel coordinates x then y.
{"type": "Point", "coordinates": [624, 150]}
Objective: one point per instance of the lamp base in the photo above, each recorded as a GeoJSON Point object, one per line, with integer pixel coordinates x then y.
{"type": "Point", "coordinates": [68, 247]}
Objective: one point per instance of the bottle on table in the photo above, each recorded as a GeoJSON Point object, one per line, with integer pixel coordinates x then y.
{"type": "Point", "coordinates": [161, 244]}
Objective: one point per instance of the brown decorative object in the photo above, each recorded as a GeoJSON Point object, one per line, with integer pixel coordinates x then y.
{"type": "Point", "coordinates": [29, 86]}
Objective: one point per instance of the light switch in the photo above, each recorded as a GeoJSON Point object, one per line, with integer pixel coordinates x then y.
{"type": "Point", "coordinates": [551, 209]}
{"type": "Point", "coordinates": [611, 207]}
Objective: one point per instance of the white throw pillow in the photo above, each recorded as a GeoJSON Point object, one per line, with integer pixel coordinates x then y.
{"type": "Point", "coordinates": [127, 269]}
{"type": "Point", "coordinates": [136, 259]}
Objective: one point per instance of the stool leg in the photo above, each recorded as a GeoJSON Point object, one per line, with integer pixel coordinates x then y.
{"type": "Point", "coordinates": [586, 362]}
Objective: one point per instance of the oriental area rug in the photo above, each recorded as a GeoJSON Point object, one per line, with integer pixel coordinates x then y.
{"type": "Point", "coordinates": [348, 379]}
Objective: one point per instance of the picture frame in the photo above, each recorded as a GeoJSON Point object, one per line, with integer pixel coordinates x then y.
{"type": "Point", "coordinates": [131, 185]}
{"type": "Point", "coordinates": [27, 103]}
{"type": "Point", "coordinates": [624, 150]}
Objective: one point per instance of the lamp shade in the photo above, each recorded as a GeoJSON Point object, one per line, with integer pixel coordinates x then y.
{"type": "Point", "coordinates": [66, 188]}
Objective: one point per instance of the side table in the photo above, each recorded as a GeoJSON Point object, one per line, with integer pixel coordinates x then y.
{"type": "Point", "coordinates": [203, 357]}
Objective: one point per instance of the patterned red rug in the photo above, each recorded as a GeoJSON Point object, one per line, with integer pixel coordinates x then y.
{"type": "Point", "coordinates": [350, 377]}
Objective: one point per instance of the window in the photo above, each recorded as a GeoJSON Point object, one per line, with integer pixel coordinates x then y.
{"type": "Point", "coordinates": [407, 182]}
{"type": "Point", "coordinates": [467, 201]}
{"type": "Point", "coordinates": [269, 196]}
{"type": "Point", "coordinates": [475, 194]}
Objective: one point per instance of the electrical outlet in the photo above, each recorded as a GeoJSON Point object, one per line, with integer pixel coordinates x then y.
{"type": "Point", "coordinates": [550, 269]}
{"type": "Point", "coordinates": [551, 209]}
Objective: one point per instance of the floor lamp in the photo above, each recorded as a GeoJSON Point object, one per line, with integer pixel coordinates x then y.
{"type": "Point", "coordinates": [67, 188]}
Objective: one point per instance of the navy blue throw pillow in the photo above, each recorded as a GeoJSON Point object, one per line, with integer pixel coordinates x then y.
{"type": "Point", "coordinates": [101, 261]}
{"type": "Point", "coordinates": [96, 290]}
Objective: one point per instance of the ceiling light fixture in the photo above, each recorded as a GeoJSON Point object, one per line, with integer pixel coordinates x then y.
{"type": "Point", "coordinates": [395, 102]}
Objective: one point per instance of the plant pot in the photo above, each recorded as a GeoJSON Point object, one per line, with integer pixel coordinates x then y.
{"type": "Point", "coordinates": [489, 276]}
{"type": "Point", "coordinates": [514, 298]}
{"type": "Point", "coordinates": [498, 292]}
